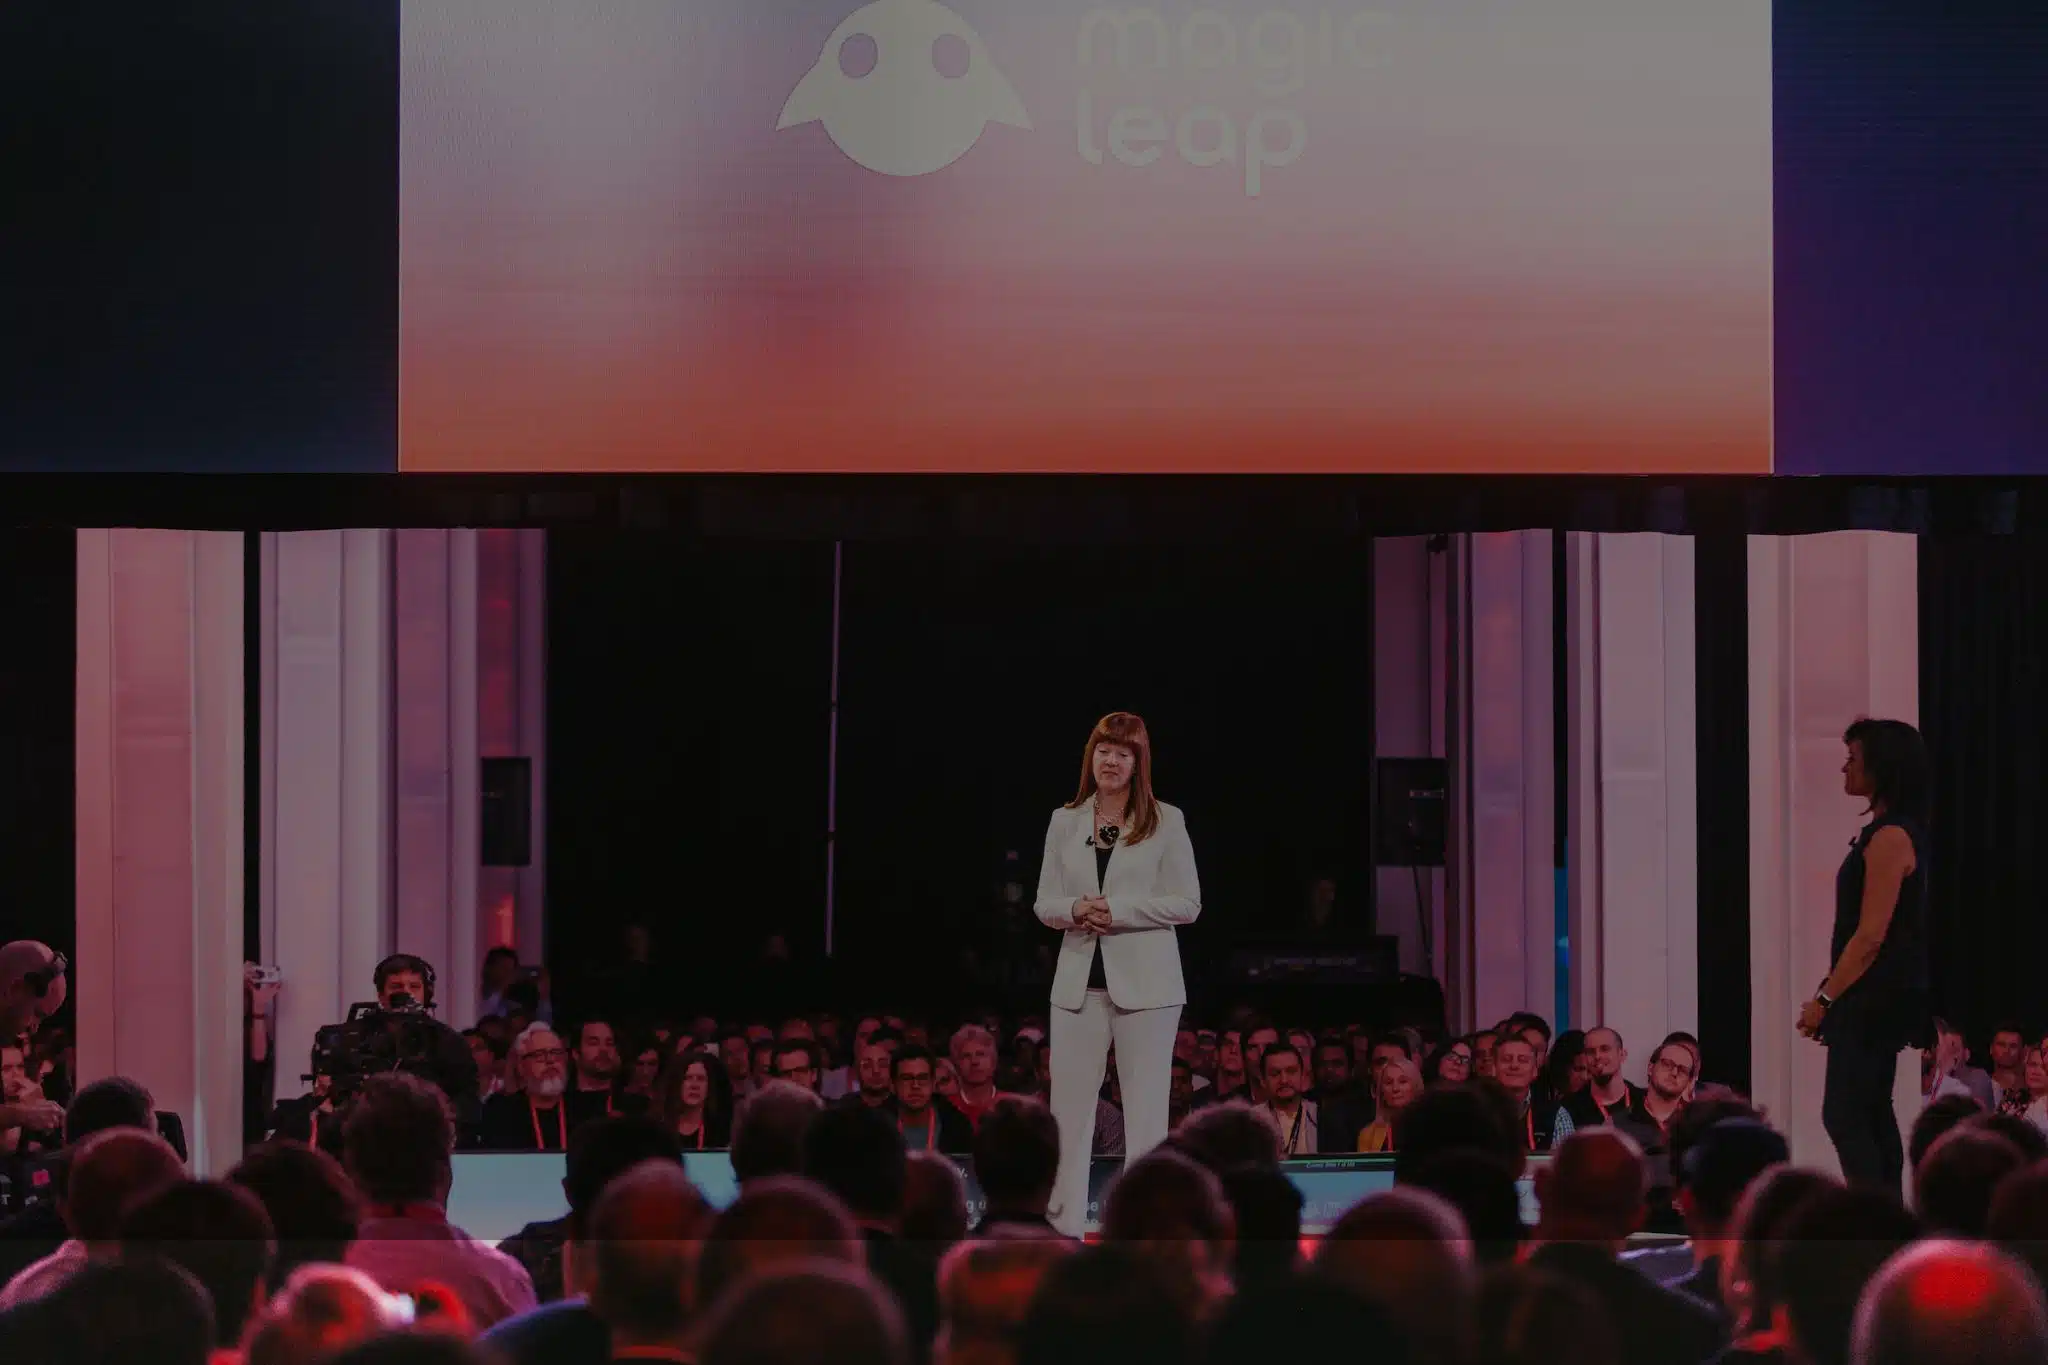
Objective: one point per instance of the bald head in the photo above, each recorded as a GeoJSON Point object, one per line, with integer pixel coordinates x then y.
{"type": "Point", "coordinates": [1406, 1251]}
{"type": "Point", "coordinates": [1951, 1303]}
{"type": "Point", "coordinates": [24, 1003]}
{"type": "Point", "coordinates": [110, 1172]}
{"type": "Point", "coordinates": [1593, 1189]}
{"type": "Point", "coordinates": [646, 1226]}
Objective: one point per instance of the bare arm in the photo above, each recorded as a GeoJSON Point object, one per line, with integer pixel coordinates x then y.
{"type": "Point", "coordinates": [1887, 862]}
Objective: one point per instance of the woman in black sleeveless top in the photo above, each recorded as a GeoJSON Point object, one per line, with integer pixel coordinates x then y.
{"type": "Point", "coordinates": [1874, 1003]}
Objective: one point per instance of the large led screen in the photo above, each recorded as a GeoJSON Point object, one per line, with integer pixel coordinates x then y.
{"type": "Point", "coordinates": [1464, 236]}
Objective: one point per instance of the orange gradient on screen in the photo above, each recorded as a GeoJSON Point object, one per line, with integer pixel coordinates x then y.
{"type": "Point", "coordinates": [1460, 236]}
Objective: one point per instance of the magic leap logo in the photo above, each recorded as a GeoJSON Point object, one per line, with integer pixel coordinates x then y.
{"type": "Point", "coordinates": [904, 88]}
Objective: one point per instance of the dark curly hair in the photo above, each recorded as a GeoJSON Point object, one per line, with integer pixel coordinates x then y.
{"type": "Point", "coordinates": [398, 1139]}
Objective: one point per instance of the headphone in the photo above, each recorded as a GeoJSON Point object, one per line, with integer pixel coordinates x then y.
{"type": "Point", "coordinates": [406, 962]}
{"type": "Point", "coordinates": [42, 978]}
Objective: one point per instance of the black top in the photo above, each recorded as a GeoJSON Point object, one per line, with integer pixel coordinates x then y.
{"type": "Point", "coordinates": [1096, 980]}
{"type": "Point", "coordinates": [1888, 1004]}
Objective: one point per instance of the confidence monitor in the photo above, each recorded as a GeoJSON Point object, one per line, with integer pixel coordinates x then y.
{"type": "Point", "coordinates": [1282, 236]}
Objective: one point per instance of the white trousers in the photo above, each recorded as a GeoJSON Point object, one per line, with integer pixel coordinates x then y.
{"type": "Point", "coordinates": [1080, 1054]}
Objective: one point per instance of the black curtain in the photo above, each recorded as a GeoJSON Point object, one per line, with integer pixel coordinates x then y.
{"type": "Point", "coordinates": [39, 603]}
{"type": "Point", "coordinates": [1984, 710]}
{"type": "Point", "coordinates": [1721, 693]}
{"type": "Point", "coordinates": [687, 708]}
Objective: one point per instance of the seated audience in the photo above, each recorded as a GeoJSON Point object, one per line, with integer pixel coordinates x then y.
{"type": "Point", "coordinates": [1954, 1183]}
{"type": "Point", "coordinates": [1749, 1265]}
{"type": "Point", "coordinates": [1482, 1189]}
{"type": "Point", "coordinates": [1951, 1303]}
{"type": "Point", "coordinates": [322, 1309]}
{"type": "Point", "coordinates": [1396, 1087]}
{"type": "Point", "coordinates": [1406, 1251]}
{"type": "Point", "coordinates": [1173, 1211]}
{"type": "Point", "coordinates": [1227, 1134]}
{"type": "Point", "coordinates": [112, 1170]}
{"type": "Point", "coordinates": [857, 1156]}
{"type": "Point", "coordinates": [774, 1223]}
{"type": "Point", "coordinates": [599, 1152]}
{"type": "Point", "coordinates": [1592, 1200]}
{"type": "Point", "coordinates": [934, 1202]}
{"type": "Point", "coordinates": [398, 1143]}
{"type": "Point", "coordinates": [220, 1234]}
{"type": "Point", "coordinates": [923, 1122]}
{"type": "Point", "coordinates": [694, 1100]}
{"type": "Point", "coordinates": [1719, 1168]}
{"type": "Point", "coordinates": [973, 1051]}
{"type": "Point", "coordinates": [538, 1117]}
{"type": "Point", "coordinates": [1285, 1077]}
{"type": "Point", "coordinates": [768, 1133]}
{"type": "Point", "coordinates": [1107, 1305]}
{"type": "Point", "coordinates": [1016, 1155]}
{"type": "Point", "coordinates": [804, 1315]}
{"type": "Point", "coordinates": [1934, 1121]}
{"type": "Point", "coordinates": [141, 1310]}
{"type": "Point", "coordinates": [1829, 1249]}
{"type": "Point", "coordinates": [644, 1234]}
{"type": "Point", "coordinates": [2019, 1218]}
{"type": "Point", "coordinates": [37, 1231]}
{"type": "Point", "coordinates": [1460, 1118]}
{"type": "Point", "coordinates": [1302, 1308]}
{"type": "Point", "coordinates": [313, 1205]}
{"type": "Point", "coordinates": [1265, 1210]}
{"type": "Point", "coordinates": [1526, 1316]}
{"type": "Point", "coordinates": [985, 1289]}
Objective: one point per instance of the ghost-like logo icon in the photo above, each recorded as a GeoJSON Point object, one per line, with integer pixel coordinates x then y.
{"type": "Point", "coordinates": [904, 88]}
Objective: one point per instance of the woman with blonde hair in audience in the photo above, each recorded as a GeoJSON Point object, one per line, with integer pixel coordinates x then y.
{"type": "Point", "coordinates": [1396, 1087]}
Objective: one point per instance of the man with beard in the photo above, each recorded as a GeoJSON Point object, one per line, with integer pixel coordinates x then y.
{"type": "Point", "coordinates": [538, 1118]}
{"type": "Point", "coordinates": [1608, 1096]}
{"type": "Point", "coordinates": [598, 1066]}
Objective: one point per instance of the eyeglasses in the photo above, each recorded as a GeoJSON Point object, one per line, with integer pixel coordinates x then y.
{"type": "Point", "coordinates": [1684, 1073]}
{"type": "Point", "coordinates": [907, 1078]}
{"type": "Point", "coordinates": [546, 1054]}
{"type": "Point", "coordinates": [1462, 1057]}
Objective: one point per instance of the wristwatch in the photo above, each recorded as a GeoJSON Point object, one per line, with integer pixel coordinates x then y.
{"type": "Point", "coordinates": [1826, 1001]}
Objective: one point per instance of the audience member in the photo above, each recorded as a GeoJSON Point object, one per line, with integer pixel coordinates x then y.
{"type": "Point", "coordinates": [1265, 1210]}
{"type": "Point", "coordinates": [1227, 1134]}
{"type": "Point", "coordinates": [1592, 1200]}
{"type": "Point", "coordinates": [645, 1230]}
{"type": "Point", "coordinates": [599, 1152]}
{"type": "Point", "coordinates": [220, 1234]}
{"type": "Point", "coordinates": [313, 1206]}
{"type": "Point", "coordinates": [2019, 1218]}
{"type": "Point", "coordinates": [1526, 1316]}
{"type": "Point", "coordinates": [857, 1155]}
{"type": "Point", "coordinates": [693, 1100]}
{"type": "Point", "coordinates": [125, 1312]}
{"type": "Point", "coordinates": [973, 1050]}
{"type": "Point", "coordinates": [1016, 1156]}
{"type": "Point", "coordinates": [1482, 1189]}
{"type": "Point", "coordinates": [934, 1202]}
{"type": "Point", "coordinates": [1749, 1268]}
{"type": "Point", "coordinates": [1719, 1168]}
{"type": "Point", "coordinates": [1456, 1119]}
{"type": "Point", "coordinates": [1828, 1250]}
{"type": "Point", "coordinates": [110, 1171]}
{"type": "Point", "coordinates": [801, 1062]}
{"type": "Point", "coordinates": [768, 1134]}
{"type": "Point", "coordinates": [1107, 1305]}
{"type": "Point", "coordinates": [538, 1117]}
{"type": "Point", "coordinates": [803, 1315]}
{"type": "Point", "coordinates": [2032, 1141]}
{"type": "Point", "coordinates": [322, 1309]}
{"type": "Point", "coordinates": [1304, 1308]}
{"type": "Point", "coordinates": [1954, 1183]}
{"type": "Point", "coordinates": [1407, 1252]}
{"type": "Point", "coordinates": [1173, 1211]}
{"type": "Point", "coordinates": [1951, 1303]}
{"type": "Point", "coordinates": [398, 1143]}
{"type": "Point", "coordinates": [775, 1222]}
{"type": "Point", "coordinates": [1285, 1077]}
{"type": "Point", "coordinates": [924, 1125]}
{"type": "Point", "coordinates": [985, 1289]}
{"type": "Point", "coordinates": [1934, 1122]}
{"type": "Point", "coordinates": [1396, 1087]}
{"type": "Point", "coordinates": [39, 1230]}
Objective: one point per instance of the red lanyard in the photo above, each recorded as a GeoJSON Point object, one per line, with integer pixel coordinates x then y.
{"type": "Point", "coordinates": [699, 1134]}
{"type": "Point", "coordinates": [1597, 1105]}
{"type": "Point", "coordinates": [1529, 1122]}
{"type": "Point", "coordinates": [540, 1144]}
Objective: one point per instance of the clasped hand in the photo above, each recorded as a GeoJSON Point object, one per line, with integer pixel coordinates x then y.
{"type": "Point", "coordinates": [1091, 915]}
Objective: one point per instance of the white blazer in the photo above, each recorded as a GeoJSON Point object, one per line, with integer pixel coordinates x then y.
{"type": "Point", "coordinates": [1150, 887]}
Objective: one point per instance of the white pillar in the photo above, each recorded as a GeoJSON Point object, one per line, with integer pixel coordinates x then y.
{"type": "Point", "coordinates": [1634, 787]}
{"type": "Point", "coordinates": [1411, 592]}
{"type": "Point", "coordinates": [1503, 780]}
{"type": "Point", "coordinates": [438, 913]}
{"type": "Point", "coordinates": [1834, 634]}
{"type": "Point", "coordinates": [512, 717]}
{"type": "Point", "coordinates": [159, 824]}
{"type": "Point", "coordinates": [325, 817]}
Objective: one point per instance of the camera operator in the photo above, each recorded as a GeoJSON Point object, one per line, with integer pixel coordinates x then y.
{"type": "Point", "coordinates": [32, 987]}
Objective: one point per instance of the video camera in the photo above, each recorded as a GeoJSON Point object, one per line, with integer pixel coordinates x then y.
{"type": "Point", "coordinates": [374, 1040]}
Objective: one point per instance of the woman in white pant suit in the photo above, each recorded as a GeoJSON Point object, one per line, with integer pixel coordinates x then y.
{"type": "Point", "coordinates": [1118, 875]}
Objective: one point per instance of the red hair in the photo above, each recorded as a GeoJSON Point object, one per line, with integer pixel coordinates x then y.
{"type": "Point", "coordinates": [1127, 731]}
